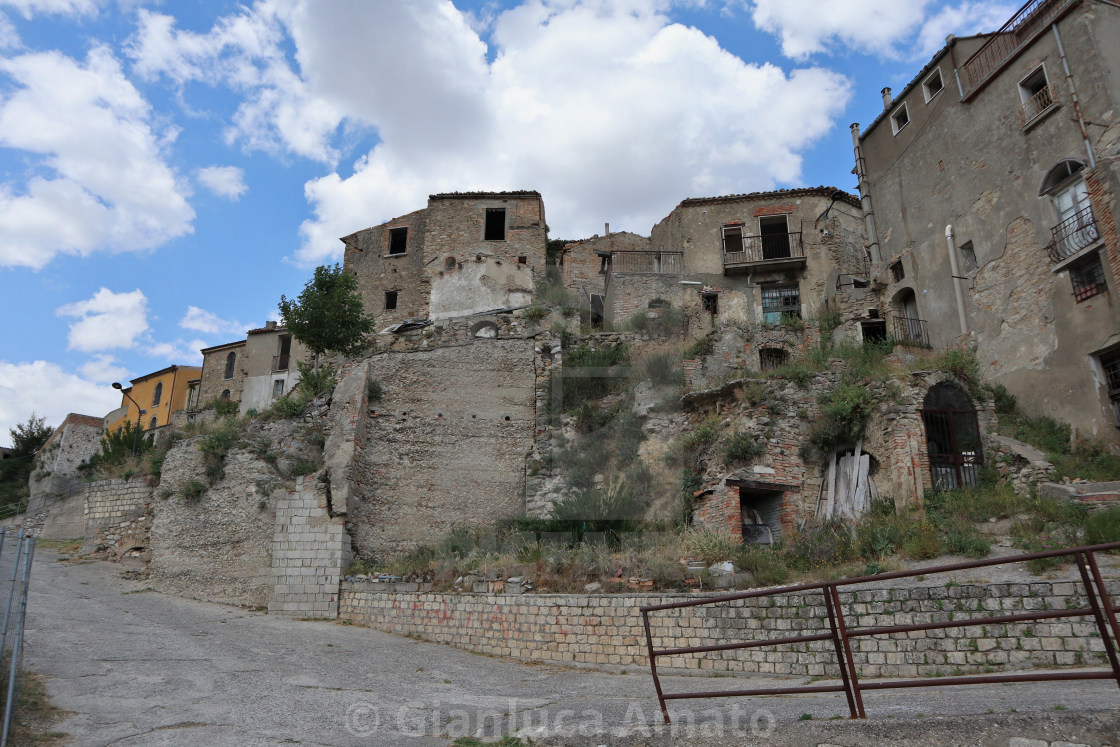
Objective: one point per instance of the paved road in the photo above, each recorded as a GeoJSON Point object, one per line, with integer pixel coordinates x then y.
{"type": "Point", "coordinates": [139, 667]}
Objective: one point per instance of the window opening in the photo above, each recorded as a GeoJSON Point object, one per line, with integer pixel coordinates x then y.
{"type": "Point", "coordinates": [932, 84]}
{"type": "Point", "coordinates": [1088, 278]}
{"type": "Point", "coordinates": [780, 302]}
{"type": "Point", "coordinates": [231, 361]}
{"type": "Point", "coordinates": [732, 239]}
{"type": "Point", "coordinates": [522, 260]}
{"type": "Point", "coordinates": [283, 353]}
{"type": "Point", "coordinates": [1077, 227]}
{"type": "Point", "coordinates": [398, 240]}
{"type": "Point", "coordinates": [774, 232]}
{"type": "Point", "coordinates": [158, 394]}
{"type": "Point", "coordinates": [900, 118]}
{"type": "Point", "coordinates": [277, 388]}
{"type": "Point", "coordinates": [874, 331]}
{"type": "Point", "coordinates": [771, 358]}
{"type": "Point", "coordinates": [225, 394]}
{"type": "Point", "coordinates": [1036, 94]}
{"type": "Point", "coordinates": [898, 272]}
{"type": "Point", "coordinates": [659, 303]}
{"type": "Point", "coordinates": [153, 423]}
{"type": "Point", "coordinates": [390, 300]}
{"type": "Point", "coordinates": [495, 224]}
{"type": "Point", "coordinates": [597, 305]}
{"type": "Point", "coordinates": [1111, 365]}
{"type": "Point", "coordinates": [761, 512]}
{"type": "Point", "coordinates": [711, 302]}
{"type": "Point", "coordinates": [952, 437]}
{"type": "Point", "coordinates": [968, 257]}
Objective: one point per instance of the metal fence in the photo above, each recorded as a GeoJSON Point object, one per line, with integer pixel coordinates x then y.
{"type": "Point", "coordinates": [16, 553]}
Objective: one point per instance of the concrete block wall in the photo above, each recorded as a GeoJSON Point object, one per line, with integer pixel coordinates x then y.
{"type": "Point", "coordinates": [607, 629]}
{"type": "Point", "coordinates": [310, 552]}
{"type": "Point", "coordinates": [111, 501]}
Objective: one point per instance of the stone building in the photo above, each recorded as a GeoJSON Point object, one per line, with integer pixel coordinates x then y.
{"type": "Point", "coordinates": [989, 185]}
{"type": "Point", "coordinates": [223, 373]}
{"type": "Point", "coordinates": [465, 253]}
{"type": "Point", "coordinates": [269, 370]}
{"type": "Point", "coordinates": [56, 473]}
{"type": "Point", "coordinates": [583, 267]}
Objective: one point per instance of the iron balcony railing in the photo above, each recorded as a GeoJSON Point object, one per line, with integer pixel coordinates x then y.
{"type": "Point", "coordinates": [1037, 104]}
{"type": "Point", "coordinates": [280, 362]}
{"type": "Point", "coordinates": [1024, 26]}
{"type": "Point", "coordinates": [662, 263]}
{"type": "Point", "coordinates": [914, 332]}
{"type": "Point", "coordinates": [1073, 234]}
{"type": "Point", "coordinates": [746, 250]}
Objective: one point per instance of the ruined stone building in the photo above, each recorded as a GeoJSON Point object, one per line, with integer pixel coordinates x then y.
{"type": "Point", "coordinates": [989, 185]}
{"type": "Point", "coordinates": [465, 253]}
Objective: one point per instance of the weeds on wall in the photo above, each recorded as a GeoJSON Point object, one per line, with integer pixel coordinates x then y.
{"type": "Point", "coordinates": [116, 457]}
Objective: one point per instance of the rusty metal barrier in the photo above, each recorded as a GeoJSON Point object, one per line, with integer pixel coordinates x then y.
{"type": "Point", "coordinates": [1100, 607]}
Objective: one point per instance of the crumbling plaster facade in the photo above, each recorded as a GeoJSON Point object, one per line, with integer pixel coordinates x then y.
{"type": "Point", "coordinates": [971, 195]}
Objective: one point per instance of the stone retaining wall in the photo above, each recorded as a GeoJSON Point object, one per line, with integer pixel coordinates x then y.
{"type": "Point", "coordinates": [607, 629]}
{"type": "Point", "coordinates": [117, 516]}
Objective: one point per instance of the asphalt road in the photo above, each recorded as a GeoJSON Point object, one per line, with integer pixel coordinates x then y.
{"type": "Point", "coordinates": [137, 667]}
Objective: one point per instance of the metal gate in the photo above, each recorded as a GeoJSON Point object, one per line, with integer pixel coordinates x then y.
{"type": "Point", "coordinates": [952, 438]}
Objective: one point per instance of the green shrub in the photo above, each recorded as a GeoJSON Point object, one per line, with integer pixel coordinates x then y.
{"type": "Point", "coordinates": [820, 546]}
{"type": "Point", "coordinates": [710, 545]}
{"type": "Point", "coordinates": [1103, 526]}
{"type": "Point", "coordinates": [534, 313]}
{"type": "Point", "coordinates": [373, 390]}
{"type": "Point", "coordinates": [192, 490]}
{"type": "Point", "coordinates": [664, 367]}
{"type": "Point", "coordinates": [962, 364]}
{"type": "Point", "coordinates": [1044, 433]}
{"type": "Point", "coordinates": [742, 447]}
{"type": "Point", "coordinates": [701, 348]}
{"type": "Point", "coordinates": [844, 414]}
{"type": "Point", "coordinates": [305, 466]}
{"type": "Point", "coordinates": [614, 509]}
{"type": "Point", "coordinates": [923, 544]}
{"type": "Point", "coordinates": [576, 388]}
{"type": "Point", "coordinates": [1005, 401]}
{"type": "Point", "coordinates": [1090, 460]}
{"type": "Point", "coordinates": [765, 564]}
{"type": "Point", "coordinates": [313, 384]}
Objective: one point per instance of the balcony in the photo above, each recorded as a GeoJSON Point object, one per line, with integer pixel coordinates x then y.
{"type": "Point", "coordinates": [280, 362]}
{"type": "Point", "coordinates": [658, 263]}
{"type": "Point", "coordinates": [1073, 234]}
{"type": "Point", "coordinates": [1030, 21]}
{"type": "Point", "coordinates": [1037, 105]}
{"type": "Point", "coordinates": [772, 251]}
{"type": "Point", "coordinates": [912, 332]}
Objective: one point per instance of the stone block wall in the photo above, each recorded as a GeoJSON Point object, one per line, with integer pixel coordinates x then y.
{"type": "Point", "coordinates": [56, 474]}
{"type": "Point", "coordinates": [310, 552]}
{"type": "Point", "coordinates": [118, 517]}
{"type": "Point", "coordinates": [607, 630]}
{"type": "Point", "coordinates": [214, 380]}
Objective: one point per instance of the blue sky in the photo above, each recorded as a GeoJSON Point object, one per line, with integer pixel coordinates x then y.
{"type": "Point", "coordinates": [169, 169]}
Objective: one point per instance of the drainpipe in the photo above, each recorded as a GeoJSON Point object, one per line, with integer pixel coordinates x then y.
{"type": "Point", "coordinates": [865, 198]}
{"type": "Point", "coordinates": [955, 269]}
{"type": "Point", "coordinates": [1073, 95]}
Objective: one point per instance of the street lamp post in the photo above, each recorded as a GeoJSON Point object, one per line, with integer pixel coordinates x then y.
{"type": "Point", "coordinates": [139, 414]}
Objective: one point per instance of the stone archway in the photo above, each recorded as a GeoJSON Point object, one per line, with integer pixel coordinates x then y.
{"type": "Point", "coordinates": [952, 437]}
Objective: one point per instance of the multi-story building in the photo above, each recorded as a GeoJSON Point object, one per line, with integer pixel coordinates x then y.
{"type": "Point", "coordinates": [466, 253]}
{"type": "Point", "coordinates": [158, 394]}
{"type": "Point", "coordinates": [268, 361]}
{"type": "Point", "coordinates": [223, 374]}
{"type": "Point", "coordinates": [989, 186]}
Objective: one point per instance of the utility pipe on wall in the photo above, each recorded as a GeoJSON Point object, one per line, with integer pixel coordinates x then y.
{"type": "Point", "coordinates": [1073, 96]}
{"type": "Point", "coordinates": [865, 198]}
{"type": "Point", "coordinates": [955, 269]}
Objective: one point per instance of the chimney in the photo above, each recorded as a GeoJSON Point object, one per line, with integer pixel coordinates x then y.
{"type": "Point", "coordinates": [606, 229]}
{"type": "Point", "coordinates": [270, 325]}
{"type": "Point", "coordinates": [886, 98]}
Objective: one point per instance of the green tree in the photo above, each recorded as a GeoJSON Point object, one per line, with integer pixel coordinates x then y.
{"type": "Point", "coordinates": [328, 315]}
{"type": "Point", "coordinates": [28, 437]}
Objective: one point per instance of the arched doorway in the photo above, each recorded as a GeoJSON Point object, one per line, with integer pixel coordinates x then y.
{"type": "Point", "coordinates": [952, 437]}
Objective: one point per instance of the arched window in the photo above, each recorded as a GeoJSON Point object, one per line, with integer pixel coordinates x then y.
{"type": "Point", "coordinates": [231, 359]}
{"type": "Point", "coordinates": [1077, 226]}
{"type": "Point", "coordinates": [225, 394]}
{"type": "Point", "coordinates": [771, 358]}
{"type": "Point", "coordinates": [158, 394]}
{"type": "Point", "coordinates": [153, 424]}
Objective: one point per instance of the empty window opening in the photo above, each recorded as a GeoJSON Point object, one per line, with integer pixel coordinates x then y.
{"type": "Point", "coordinates": [398, 240]}
{"type": "Point", "coordinates": [900, 118]}
{"type": "Point", "coordinates": [449, 264]}
{"type": "Point", "coordinates": [710, 302]}
{"type": "Point", "coordinates": [598, 302]}
{"type": "Point", "coordinates": [390, 300]}
{"type": "Point", "coordinates": [1088, 278]}
{"type": "Point", "coordinates": [231, 361]}
{"type": "Point", "coordinates": [771, 358]}
{"type": "Point", "coordinates": [1036, 94]}
{"type": "Point", "coordinates": [780, 302]}
{"type": "Point", "coordinates": [225, 394]}
{"type": "Point", "coordinates": [874, 331]}
{"type": "Point", "coordinates": [898, 272]}
{"type": "Point", "coordinates": [774, 232]}
{"type": "Point", "coordinates": [522, 260]}
{"type": "Point", "coordinates": [732, 239]}
{"type": "Point", "coordinates": [277, 388]}
{"type": "Point", "coordinates": [604, 262]}
{"type": "Point", "coordinates": [933, 84]}
{"type": "Point", "coordinates": [761, 512]}
{"type": "Point", "coordinates": [1110, 362]}
{"type": "Point", "coordinates": [495, 224]}
{"type": "Point", "coordinates": [968, 257]}
{"type": "Point", "coordinates": [153, 423]}
{"type": "Point", "coordinates": [1033, 84]}
{"type": "Point", "coordinates": [158, 394]}
{"type": "Point", "coordinates": [952, 437]}
{"type": "Point", "coordinates": [659, 303]}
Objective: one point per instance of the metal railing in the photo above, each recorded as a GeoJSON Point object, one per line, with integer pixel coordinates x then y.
{"type": "Point", "coordinates": [1073, 234]}
{"type": "Point", "coordinates": [1028, 22]}
{"type": "Point", "coordinates": [1100, 607]}
{"type": "Point", "coordinates": [16, 554]}
{"type": "Point", "coordinates": [1037, 104]}
{"type": "Point", "coordinates": [662, 263]}
{"type": "Point", "coordinates": [280, 362]}
{"type": "Point", "coordinates": [746, 250]}
{"type": "Point", "coordinates": [908, 331]}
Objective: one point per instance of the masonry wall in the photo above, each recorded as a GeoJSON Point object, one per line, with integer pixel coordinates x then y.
{"type": "Point", "coordinates": [214, 380]}
{"type": "Point", "coordinates": [367, 257]}
{"type": "Point", "coordinates": [607, 630]}
{"type": "Point", "coordinates": [56, 474]}
{"type": "Point", "coordinates": [117, 516]}
{"type": "Point", "coordinates": [580, 264]}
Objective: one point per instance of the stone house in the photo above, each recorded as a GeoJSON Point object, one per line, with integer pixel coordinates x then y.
{"type": "Point", "coordinates": [223, 374]}
{"type": "Point", "coordinates": [989, 186]}
{"type": "Point", "coordinates": [465, 253]}
{"type": "Point", "coordinates": [269, 370]}
{"type": "Point", "coordinates": [582, 267]}
{"type": "Point", "coordinates": [159, 395]}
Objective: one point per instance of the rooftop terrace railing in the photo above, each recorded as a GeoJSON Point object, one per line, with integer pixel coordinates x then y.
{"type": "Point", "coordinates": [663, 263]}
{"type": "Point", "coordinates": [1024, 26]}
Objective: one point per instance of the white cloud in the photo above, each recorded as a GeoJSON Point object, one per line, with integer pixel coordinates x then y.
{"type": "Point", "coordinates": [46, 389]}
{"type": "Point", "coordinates": [806, 27]}
{"type": "Point", "coordinates": [107, 321]}
{"type": "Point", "coordinates": [28, 8]}
{"type": "Point", "coordinates": [102, 183]}
{"type": "Point", "coordinates": [201, 320]}
{"type": "Point", "coordinates": [966, 19]}
{"type": "Point", "coordinates": [180, 351]}
{"type": "Point", "coordinates": [9, 37]}
{"type": "Point", "coordinates": [224, 181]}
{"type": "Point", "coordinates": [104, 368]}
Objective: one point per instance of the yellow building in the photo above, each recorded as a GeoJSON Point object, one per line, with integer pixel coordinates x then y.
{"type": "Point", "coordinates": [158, 394]}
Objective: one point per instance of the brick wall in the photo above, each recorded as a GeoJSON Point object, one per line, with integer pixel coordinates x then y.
{"type": "Point", "coordinates": [607, 630]}
{"type": "Point", "coordinates": [581, 264]}
{"type": "Point", "coordinates": [367, 256]}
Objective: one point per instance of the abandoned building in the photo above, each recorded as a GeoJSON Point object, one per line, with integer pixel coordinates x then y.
{"type": "Point", "coordinates": [583, 267]}
{"type": "Point", "coordinates": [989, 186]}
{"type": "Point", "coordinates": [465, 253]}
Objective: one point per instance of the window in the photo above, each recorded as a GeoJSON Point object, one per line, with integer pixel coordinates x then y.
{"type": "Point", "coordinates": [157, 395]}
{"type": "Point", "coordinates": [710, 302]}
{"type": "Point", "coordinates": [277, 388]}
{"type": "Point", "coordinates": [495, 224]}
{"type": "Point", "coordinates": [1111, 365]}
{"type": "Point", "coordinates": [282, 360]}
{"type": "Point", "coordinates": [523, 260]}
{"type": "Point", "coordinates": [968, 257]}
{"type": "Point", "coordinates": [231, 361]}
{"type": "Point", "coordinates": [225, 395]}
{"type": "Point", "coordinates": [774, 234]}
{"type": "Point", "coordinates": [1088, 278]}
{"type": "Point", "coordinates": [780, 302]}
{"type": "Point", "coordinates": [732, 238]}
{"type": "Point", "coordinates": [898, 272]}
{"type": "Point", "coordinates": [900, 118]}
{"type": "Point", "coordinates": [1036, 94]}
{"type": "Point", "coordinates": [933, 84]}
{"type": "Point", "coordinates": [874, 330]}
{"type": "Point", "coordinates": [398, 240]}
{"type": "Point", "coordinates": [153, 423]}
{"type": "Point", "coordinates": [771, 358]}
{"type": "Point", "coordinates": [390, 300]}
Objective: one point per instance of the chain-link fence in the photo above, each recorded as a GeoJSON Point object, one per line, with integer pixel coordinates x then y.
{"type": "Point", "coordinates": [16, 554]}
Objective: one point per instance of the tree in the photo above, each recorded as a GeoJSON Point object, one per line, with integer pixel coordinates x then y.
{"type": "Point", "coordinates": [328, 315]}
{"type": "Point", "coordinates": [28, 437]}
